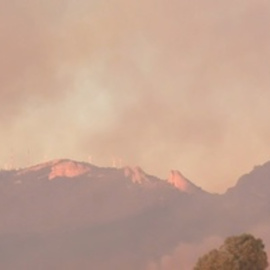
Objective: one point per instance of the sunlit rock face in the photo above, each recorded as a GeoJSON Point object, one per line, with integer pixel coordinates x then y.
{"type": "Point", "coordinates": [38, 167]}
{"type": "Point", "coordinates": [180, 182]}
{"type": "Point", "coordinates": [136, 174]}
{"type": "Point", "coordinates": [68, 169]}
{"type": "Point", "coordinates": [59, 168]}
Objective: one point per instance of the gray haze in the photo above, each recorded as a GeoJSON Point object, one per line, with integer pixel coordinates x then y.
{"type": "Point", "coordinates": [162, 84]}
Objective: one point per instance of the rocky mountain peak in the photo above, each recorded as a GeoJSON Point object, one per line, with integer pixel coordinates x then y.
{"type": "Point", "coordinates": [136, 174]}
{"type": "Point", "coordinates": [59, 168]}
{"type": "Point", "coordinates": [180, 182]}
{"type": "Point", "coordinates": [69, 168]}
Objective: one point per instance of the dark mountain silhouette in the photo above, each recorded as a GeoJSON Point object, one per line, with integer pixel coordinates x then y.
{"type": "Point", "coordinates": [65, 214]}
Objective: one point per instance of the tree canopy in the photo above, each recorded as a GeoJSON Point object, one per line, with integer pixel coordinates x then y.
{"type": "Point", "coordinates": [243, 252]}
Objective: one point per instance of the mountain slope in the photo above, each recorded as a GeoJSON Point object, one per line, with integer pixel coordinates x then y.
{"type": "Point", "coordinates": [65, 214]}
{"type": "Point", "coordinates": [70, 206]}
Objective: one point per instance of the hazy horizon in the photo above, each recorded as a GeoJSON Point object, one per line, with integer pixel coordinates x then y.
{"type": "Point", "coordinates": [163, 85]}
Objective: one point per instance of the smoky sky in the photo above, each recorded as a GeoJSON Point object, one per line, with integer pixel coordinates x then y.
{"type": "Point", "coordinates": [160, 84]}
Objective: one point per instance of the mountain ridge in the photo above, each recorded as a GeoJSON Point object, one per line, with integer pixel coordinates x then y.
{"type": "Point", "coordinates": [65, 207]}
{"type": "Point", "coordinates": [69, 168]}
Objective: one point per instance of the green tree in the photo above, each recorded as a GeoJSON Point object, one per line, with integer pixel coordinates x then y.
{"type": "Point", "coordinates": [243, 252]}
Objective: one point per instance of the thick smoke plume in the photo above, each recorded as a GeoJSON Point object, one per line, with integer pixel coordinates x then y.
{"type": "Point", "coordinates": [180, 84]}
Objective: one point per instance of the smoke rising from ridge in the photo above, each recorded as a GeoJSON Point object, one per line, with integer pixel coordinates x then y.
{"type": "Point", "coordinates": [186, 255]}
{"type": "Point", "coordinates": [162, 84]}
